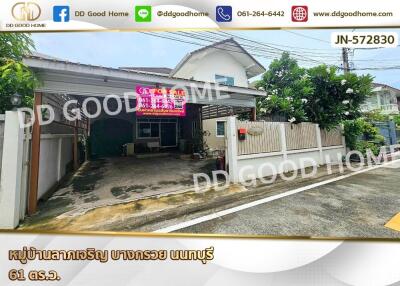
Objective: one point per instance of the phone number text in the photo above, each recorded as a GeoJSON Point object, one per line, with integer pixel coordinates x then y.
{"type": "Point", "coordinates": [244, 13]}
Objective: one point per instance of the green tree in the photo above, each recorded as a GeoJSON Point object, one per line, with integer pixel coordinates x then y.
{"type": "Point", "coordinates": [336, 97]}
{"type": "Point", "coordinates": [318, 94]}
{"type": "Point", "coordinates": [15, 77]}
{"type": "Point", "coordinates": [287, 86]}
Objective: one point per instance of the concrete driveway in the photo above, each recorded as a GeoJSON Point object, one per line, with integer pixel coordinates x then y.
{"type": "Point", "coordinates": [358, 206]}
{"type": "Point", "coordinates": [118, 180]}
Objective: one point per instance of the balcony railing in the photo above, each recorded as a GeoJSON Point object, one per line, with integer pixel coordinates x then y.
{"type": "Point", "coordinates": [386, 109]}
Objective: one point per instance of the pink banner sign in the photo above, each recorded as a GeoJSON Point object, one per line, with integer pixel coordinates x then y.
{"type": "Point", "coordinates": [152, 101]}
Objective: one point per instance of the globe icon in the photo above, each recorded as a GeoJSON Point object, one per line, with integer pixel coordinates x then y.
{"type": "Point", "coordinates": [299, 14]}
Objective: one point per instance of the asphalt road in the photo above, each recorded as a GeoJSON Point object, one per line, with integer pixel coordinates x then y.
{"type": "Point", "coordinates": [358, 206]}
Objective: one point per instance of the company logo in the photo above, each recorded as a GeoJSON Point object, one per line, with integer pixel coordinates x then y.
{"type": "Point", "coordinates": [26, 11]}
{"type": "Point", "coordinates": [143, 13]}
{"type": "Point", "coordinates": [223, 13]}
{"type": "Point", "coordinates": [61, 13]}
{"type": "Point", "coordinates": [299, 13]}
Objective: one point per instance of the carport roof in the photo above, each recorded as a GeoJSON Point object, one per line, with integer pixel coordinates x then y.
{"type": "Point", "coordinates": [45, 63]}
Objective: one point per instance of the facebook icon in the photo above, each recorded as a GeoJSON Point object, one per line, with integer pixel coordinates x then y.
{"type": "Point", "coordinates": [61, 13]}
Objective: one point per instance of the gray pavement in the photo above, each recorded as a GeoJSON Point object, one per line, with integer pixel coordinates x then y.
{"type": "Point", "coordinates": [358, 206]}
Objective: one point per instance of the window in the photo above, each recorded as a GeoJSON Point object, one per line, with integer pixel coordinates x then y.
{"type": "Point", "coordinates": [220, 128]}
{"type": "Point", "coordinates": [150, 127]}
{"type": "Point", "coordinates": [226, 80]}
{"type": "Point", "coordinates": [148, 130]}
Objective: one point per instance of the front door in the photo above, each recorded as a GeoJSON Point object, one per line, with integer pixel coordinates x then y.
{"type": "Point", "coordinates": [168, 134]}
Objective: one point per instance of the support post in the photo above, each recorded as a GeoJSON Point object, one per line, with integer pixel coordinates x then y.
{"type": "Point", "coordinates": [35, 156]}
{"type": "Point", "coordinates": [75, 146]}
{"type": "Point", "coordinates": [201, 118]}
{"type": "Point", "coordinates": [11, 172]}
{"type": "Point", "coordinates": [345, 58]}
{"type": "Point", "coordinates": [87, 137]}
{"type": "Point", "coordinates": [59, 158]}
{"type": "Point", "coordinates": [232, 148]}
{"type": "Point", "coordinates": [253, 116]}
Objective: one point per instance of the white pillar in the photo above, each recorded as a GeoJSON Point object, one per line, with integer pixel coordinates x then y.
{"type": "Point", "coordinates": [378, 100]}
{"type": "Point", "coordinates": [232, 149]}
{"type": "Point", "coordinates": [319, 144]}
{"type": "Point", "coordinates": [282, 133]}
{"type": "Point", "coordinates": [343, 139]}
{"type": "Point", "coordinates": [11, 171]}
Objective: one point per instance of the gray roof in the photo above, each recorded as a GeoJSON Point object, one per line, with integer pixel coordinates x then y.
{"type": "Point", "coordinates": [229, 45]}
{"type": "Point", "coordinates": [42, 62]}
{"type": "Point", "coordinates": [158, 70]}
{"type": "Point", "coordinates": [45, 56]}
{"type": "Point", "coordinates": [396, 90]}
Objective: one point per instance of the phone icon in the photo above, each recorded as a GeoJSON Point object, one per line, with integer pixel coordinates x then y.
{"type": "Point", "coordinates": [224, 13]}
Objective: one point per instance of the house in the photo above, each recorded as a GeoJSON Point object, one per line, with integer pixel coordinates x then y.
{"type": "Point", "coordinates": [151, 128]}
{"type": "Point", "coordinates": [225, 63]}
{"type": "Point", "coordinates": [384, 98]}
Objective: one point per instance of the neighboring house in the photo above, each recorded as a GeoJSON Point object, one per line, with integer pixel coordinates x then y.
{"type": "Point", "coordinates": [398, 101]}
{"type": "Point", "coordinates": [384, 98]}
{"type": "Point", "coordinates": [226, 63]}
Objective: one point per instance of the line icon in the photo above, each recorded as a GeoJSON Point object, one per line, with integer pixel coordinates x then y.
{"type": "Point", "coordinates": [143, 13]}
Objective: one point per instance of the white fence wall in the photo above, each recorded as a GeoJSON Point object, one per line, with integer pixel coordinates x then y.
{"type": "Point", "coordinates": [11, 172]}
{"type": "Point", "coordinates": [55, 154]}
{"type": "Point", "coordinates": [2, 119]}
{"type": "Point", "coordinates": [301, 144]}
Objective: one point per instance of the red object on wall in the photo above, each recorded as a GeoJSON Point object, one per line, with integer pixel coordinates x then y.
{"type": "Point", "coordinates": [242, 133]}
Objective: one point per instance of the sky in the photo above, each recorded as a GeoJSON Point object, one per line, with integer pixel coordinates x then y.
{"type": "Point", "coordinates": [116, 49]}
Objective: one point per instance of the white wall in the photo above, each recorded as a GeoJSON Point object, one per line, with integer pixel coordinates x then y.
{"type": "Point", "coordinates": [55, 154]}
{"type": "Point", "coordinates": [258, 165]}
{"type": "Point", "coordinates": [2, 119]}
{"type": "Point", "coordinates": [11, 172]}
{"type": "Point", "coordinates": [215, 62]}
{"type": "Point", "coordinates": [249, 167]}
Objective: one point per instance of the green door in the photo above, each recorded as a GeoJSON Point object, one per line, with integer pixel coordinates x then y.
{"type": "Point", "coordinates": [168, 134]}
{"type": "Point", "coordinates": [108, 135]}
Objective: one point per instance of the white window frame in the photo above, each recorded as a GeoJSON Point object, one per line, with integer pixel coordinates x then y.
{"type": "Point", "coordinates": [137, 131]}
{"type": "Point", "coordinates": [156, 121]}
{"type": "Point", "coordinates": [216, 128]}
{"type": "Point", "coordinates": [225, 76]}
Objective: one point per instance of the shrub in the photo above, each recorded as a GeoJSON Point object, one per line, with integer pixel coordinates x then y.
{"type": "Point", "coordinates": [361, 134]}
{"type": "Point", "coordinates": [397, 120]}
